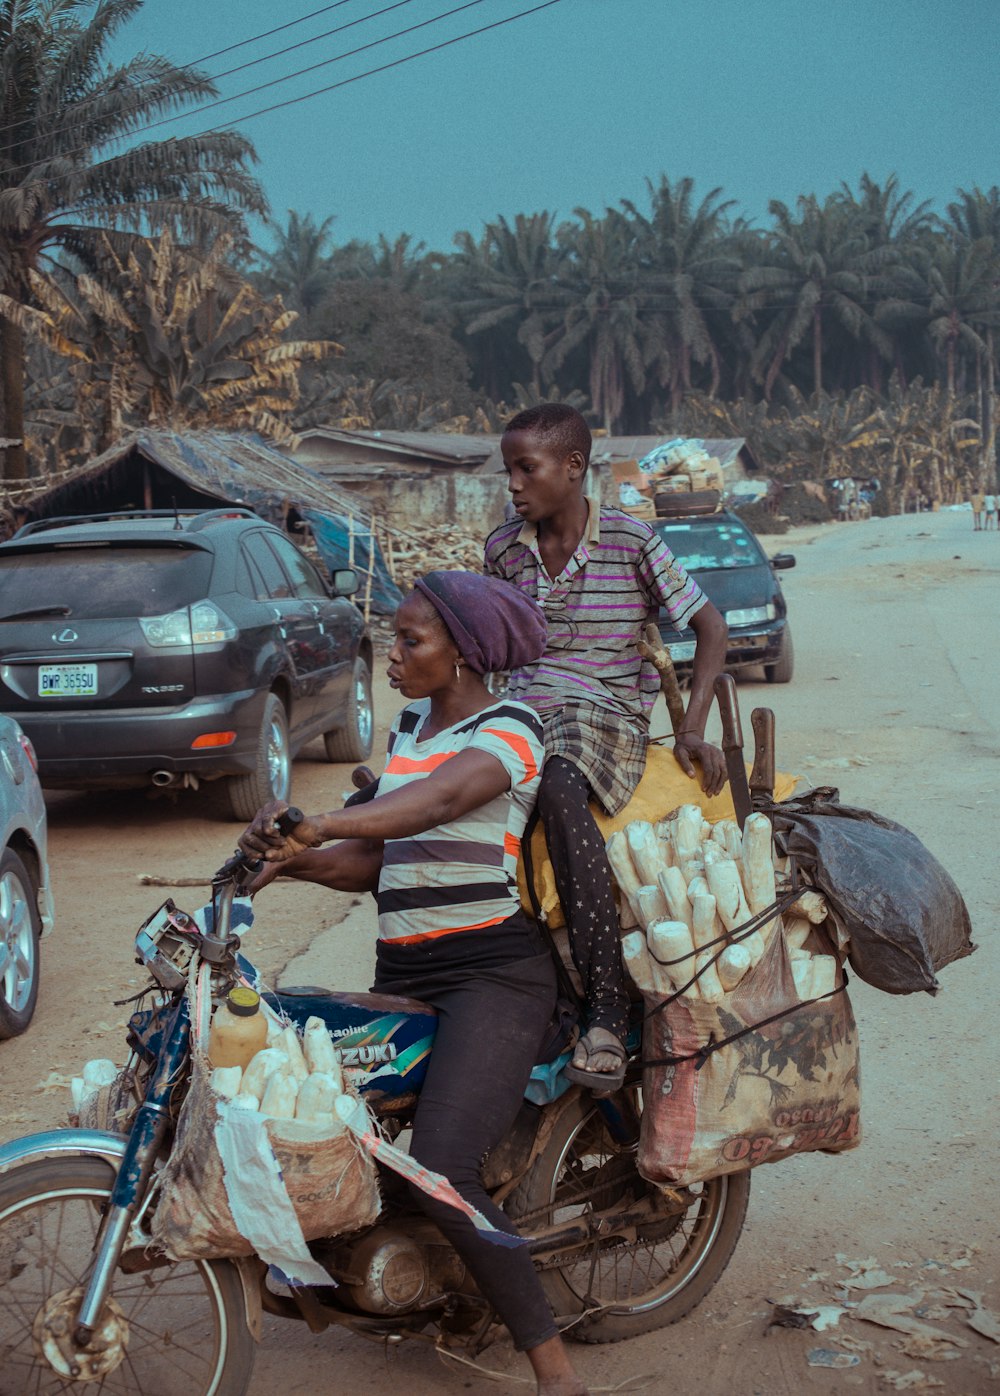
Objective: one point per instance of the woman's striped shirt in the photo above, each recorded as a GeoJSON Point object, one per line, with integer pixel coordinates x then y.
{"type": "Point", "coordinates": [617, 580]}
{"type": "Point", "coordinates": [460, 876]}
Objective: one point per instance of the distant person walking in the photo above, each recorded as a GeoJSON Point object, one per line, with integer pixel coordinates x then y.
{"type": "Point", "coordinates": [977, 501]}
{"type": "Point", "coordinates": [990, 511]}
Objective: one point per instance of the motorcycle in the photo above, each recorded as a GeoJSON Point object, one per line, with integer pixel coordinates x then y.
{"type": "Point", "coordinates": [87, 1298]}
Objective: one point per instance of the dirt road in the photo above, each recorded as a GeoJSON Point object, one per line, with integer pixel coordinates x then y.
{"type": "Point", "coordinates": [895, 701]}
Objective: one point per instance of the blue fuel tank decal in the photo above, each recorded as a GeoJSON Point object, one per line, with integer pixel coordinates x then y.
{"type": "Point", "coordinates": [383, 1042]}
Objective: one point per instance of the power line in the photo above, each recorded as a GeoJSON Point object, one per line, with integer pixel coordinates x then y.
{"type": "Point", "coordinates": [54, 180]}
{"type": "Point", "coordinates": [312, 67]}
{"type": "Point", "coordinates": [253, 39]}
{"type": "Point", "coordinates": [384, 68]}
{"type": "Point", "coordinates": [267, 34]}
{"type": "Point", "coordinates": [304, 43]}
{"type": "Point", "coordinates": [262, 87]}
{"type": "Point", "coordinates": [207, 106]}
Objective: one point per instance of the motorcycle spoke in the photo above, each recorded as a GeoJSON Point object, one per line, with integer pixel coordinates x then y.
{"type": "Point", "coordinates": [175, 1346]}
{"type": "Point", "coordinates": [175, 1315]}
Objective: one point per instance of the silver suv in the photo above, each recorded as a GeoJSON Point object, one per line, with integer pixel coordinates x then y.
{"type": "Point", "coordinates": [26, 912]}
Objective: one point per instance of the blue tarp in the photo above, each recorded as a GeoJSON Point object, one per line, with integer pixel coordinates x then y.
{"type": "Point", "coordinates": [332, 533]}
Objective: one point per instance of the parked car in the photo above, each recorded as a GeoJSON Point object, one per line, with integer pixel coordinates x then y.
{"type": "Point", "coordinates": [179, 648]}
{"type": "Point", "coordinates": [726, 559]}
{"type": "Point", "coordinates": [26, 911]}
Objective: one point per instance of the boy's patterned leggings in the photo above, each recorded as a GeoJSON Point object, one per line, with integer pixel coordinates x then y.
{"type": "Point", "coordinates": [583, 881]}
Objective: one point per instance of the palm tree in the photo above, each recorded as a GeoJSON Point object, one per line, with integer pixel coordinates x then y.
{"type": "Point", "coordinates": [959, 292]}
{"type": "Point", "coordinates": [298, 268]}
{"type": "Point", "coordinates": [69, 169]}
{"type": "Point", "coordinates": [600, 287]}
{"type": "Point", "coordinates": [894, 230]}
{"type": "Point", "coordinates": [509, 277]}
{"type": "Point", "coordinates": [975, 219]}
{"type": "Point", "coordinates": [688, 270]}
{"type": "Point", "coordinates": [816, 266]}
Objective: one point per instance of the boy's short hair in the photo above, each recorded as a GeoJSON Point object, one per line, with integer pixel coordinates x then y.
{"type": "Point", "coordinates": [561, 425]}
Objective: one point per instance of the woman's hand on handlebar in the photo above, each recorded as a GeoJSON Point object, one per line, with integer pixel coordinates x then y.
{"type": "Point", "coordinates": [262, 838]}
{"type": "Point", "coordinates": [268, 873]}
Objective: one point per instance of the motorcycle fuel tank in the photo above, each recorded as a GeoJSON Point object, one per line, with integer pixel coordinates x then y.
{"type": "Point", "coordinates": [382, 1042]}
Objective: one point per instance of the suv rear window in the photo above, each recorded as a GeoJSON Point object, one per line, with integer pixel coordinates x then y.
{"type": "Point", "coordinates": [710, 544]}
{"type": "Point", "coordinates": [101, 583]}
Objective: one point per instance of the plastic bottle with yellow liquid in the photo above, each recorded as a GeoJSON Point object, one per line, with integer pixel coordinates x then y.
{"type": "Point", "coordinates": [239, 1029]}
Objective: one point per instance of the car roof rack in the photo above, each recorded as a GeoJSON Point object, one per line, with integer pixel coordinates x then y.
{"type": "Point", "coordinates": [188, 518]}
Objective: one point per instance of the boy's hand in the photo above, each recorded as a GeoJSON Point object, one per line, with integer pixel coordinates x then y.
{"type": "Point", "coordinates": [688, 749]}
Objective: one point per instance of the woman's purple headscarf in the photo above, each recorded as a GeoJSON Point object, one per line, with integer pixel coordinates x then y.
{"type": "Point", "coordinates": [495, 628]}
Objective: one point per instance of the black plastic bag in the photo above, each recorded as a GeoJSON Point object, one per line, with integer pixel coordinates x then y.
{"type": "Point", "coordinates": [905, 916]}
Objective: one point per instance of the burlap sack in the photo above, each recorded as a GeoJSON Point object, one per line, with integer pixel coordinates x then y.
{"type": "Point", "coordinates": [330, 1180]}
{"type": "Point", "coordinates": [788, 1085]}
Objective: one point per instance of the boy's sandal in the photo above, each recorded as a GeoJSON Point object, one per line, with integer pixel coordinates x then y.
{"type": "Point", "coordinates": [603, 1082]}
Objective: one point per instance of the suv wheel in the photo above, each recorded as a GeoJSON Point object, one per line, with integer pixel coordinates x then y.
{"type": "Point", "coordinates": [353, 741]}
{"type": "Point", "coordinates": [784, 668]}
{"type": "Point", "coordinates": [20, 927]}
{"type": "Point", "coordinates": [272, 780]}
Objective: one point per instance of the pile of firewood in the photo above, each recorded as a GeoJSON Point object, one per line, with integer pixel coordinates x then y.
{"type": "Point", "coordinates": [410, 554]}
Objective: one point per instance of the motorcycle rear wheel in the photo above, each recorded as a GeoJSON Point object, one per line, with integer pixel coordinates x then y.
{"type": "Point", "coordinates": [186, 1323]}
{"type": "Point", "coordinates": [634, 1286]}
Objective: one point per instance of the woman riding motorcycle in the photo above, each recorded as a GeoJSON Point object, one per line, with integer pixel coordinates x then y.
{"type": "Point", "coordinates": [440, 843]}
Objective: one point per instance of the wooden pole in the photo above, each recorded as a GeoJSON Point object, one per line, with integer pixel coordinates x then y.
{"type": "Point", "coordinates": [371, 573]}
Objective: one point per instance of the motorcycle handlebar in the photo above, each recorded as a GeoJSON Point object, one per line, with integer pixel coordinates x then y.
{"type": "Point", "coordinates": [286, 822]}
{"type": "Point", "coordinates": [241, 867]}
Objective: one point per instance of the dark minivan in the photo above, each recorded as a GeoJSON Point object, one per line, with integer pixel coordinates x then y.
{"type": "Point", "coordinates": [724, 557]}
{"type": "Point", "coordinates": [179, 648]}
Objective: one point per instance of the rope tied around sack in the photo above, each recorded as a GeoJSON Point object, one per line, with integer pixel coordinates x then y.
{"type": "Point", "coordinates": [788, 897]}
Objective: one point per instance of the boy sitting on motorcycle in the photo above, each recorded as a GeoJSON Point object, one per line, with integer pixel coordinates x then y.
{"type": "Point", "coordinates": [600, 576]}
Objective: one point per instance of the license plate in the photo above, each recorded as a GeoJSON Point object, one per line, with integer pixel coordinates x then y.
{"type": "Point", "coordinates": [684, 650]}
{"type": "Point", "coordinates": [67, 681]}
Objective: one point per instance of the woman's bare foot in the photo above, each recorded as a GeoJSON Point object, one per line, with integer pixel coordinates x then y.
{"type": "Point", "coordinates": [553, 1370]}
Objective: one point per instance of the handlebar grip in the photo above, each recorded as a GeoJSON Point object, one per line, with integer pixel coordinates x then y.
{"type": "Point", "coordinates": [286, 822]}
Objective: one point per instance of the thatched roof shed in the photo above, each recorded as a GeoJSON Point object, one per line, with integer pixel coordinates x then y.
{"type": "Point", "coordinates": [197, 469]}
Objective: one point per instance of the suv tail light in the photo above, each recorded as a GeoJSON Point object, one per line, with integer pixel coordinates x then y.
{"type": "Point", "coordinates": [200, 624]}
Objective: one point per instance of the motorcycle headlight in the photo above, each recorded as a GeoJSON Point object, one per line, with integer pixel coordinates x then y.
{"type": "Point", "coordinates": [752, 615]}
{"type": "Point", "coordinates": [200, 624]}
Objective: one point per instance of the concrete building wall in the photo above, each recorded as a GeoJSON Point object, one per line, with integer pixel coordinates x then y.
{"type": "Point", "coordinates": [473, 504]}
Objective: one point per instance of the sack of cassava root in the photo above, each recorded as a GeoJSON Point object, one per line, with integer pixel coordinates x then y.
{"type": "Point", "coordinates": [244, 1178]}
{"type": "Point", "coordinates": [749, 1044]}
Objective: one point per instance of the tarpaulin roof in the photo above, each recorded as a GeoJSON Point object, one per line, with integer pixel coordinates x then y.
{"type": "Point", "coordinates": [441, 447]}
{"type": "Point", "coordinates": [158, 469]}
{"type": "Point", "coordinates": [165, 469]}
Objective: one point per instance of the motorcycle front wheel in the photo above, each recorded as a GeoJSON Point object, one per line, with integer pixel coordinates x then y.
{"type": "Point", "coordinates": [173, 1329]}
{"type": "Point", "coordinates": [620, 1287]}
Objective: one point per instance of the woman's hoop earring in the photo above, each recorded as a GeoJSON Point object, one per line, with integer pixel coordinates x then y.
{"type": "Point", "coordinates": [458, 672]}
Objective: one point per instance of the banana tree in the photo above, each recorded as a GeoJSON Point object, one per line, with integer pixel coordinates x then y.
{"type": "Point", "coordinates": [173, 339]}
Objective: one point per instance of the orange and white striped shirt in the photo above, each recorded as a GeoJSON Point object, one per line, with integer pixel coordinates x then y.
{"type": "Point", "coordinates": [460, 876]}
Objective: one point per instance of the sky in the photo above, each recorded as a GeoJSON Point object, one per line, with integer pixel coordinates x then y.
{"type": "Point", "coordinates": [578, 104]}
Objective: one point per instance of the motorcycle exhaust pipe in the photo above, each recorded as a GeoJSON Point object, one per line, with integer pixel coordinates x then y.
{"type": "Point", "coordinates": [162, 778]}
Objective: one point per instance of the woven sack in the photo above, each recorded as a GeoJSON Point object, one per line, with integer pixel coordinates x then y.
{"type": "Point", "coordinates": [329, 1178]}
{"type": "Point", "coordinates": [753, 1079]}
